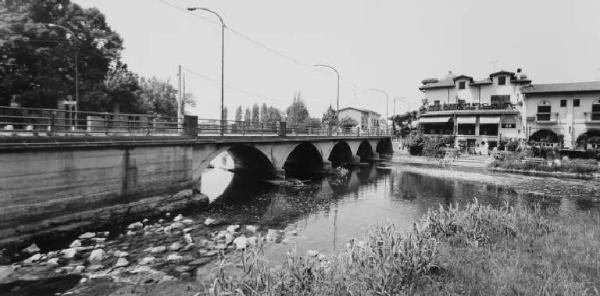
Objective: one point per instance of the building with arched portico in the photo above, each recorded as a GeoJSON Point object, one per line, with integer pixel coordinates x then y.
{"type": "Point", "coordinates": [566, 115]}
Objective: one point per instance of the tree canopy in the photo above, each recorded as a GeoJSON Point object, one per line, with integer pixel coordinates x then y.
{"type": "Point", "coordinates": [297, 113]}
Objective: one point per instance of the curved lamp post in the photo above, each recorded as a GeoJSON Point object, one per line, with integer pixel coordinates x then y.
{"type": "Point", "coordinates": [222, 62]}
{"type": "Point", "coordinates": [387, 98]}
{"type": "Point", "coordinates": [76, 60]}
{"type": "Point", "coordinates": [338, 85]}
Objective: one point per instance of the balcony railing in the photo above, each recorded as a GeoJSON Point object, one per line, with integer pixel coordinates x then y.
{"type": "Point", "coordinates": [546, 117]}
{"type": "Point", "coordinates": [592, 117]}
{"type": "Point", "coordinates": [469, 106]}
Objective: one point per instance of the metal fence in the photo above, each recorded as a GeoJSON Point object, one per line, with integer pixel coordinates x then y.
{"type": "Point", "coordinates": [16, 121]}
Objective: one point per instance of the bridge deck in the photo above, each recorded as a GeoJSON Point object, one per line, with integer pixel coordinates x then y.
{"type": "Point", "coordinates": [78, 142]}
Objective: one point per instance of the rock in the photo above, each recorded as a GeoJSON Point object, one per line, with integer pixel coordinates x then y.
{"type": "Point", "coordinates": [182, 268]}
{"type": "Point", "coordinates": [201, 261]}
{"type": "Point", "coordinates": [251, 241]}
{"type": "Point", "coordinates": [121, 262]}
{"type": "Point", "coordinates": [174, 258]}
{"type": "Point", "coordinates": [32, 249]}
{"type": "Point", "coordinates": [79, 269]}
{"type": "Point", "coordinates": [187, 221]}
{"type": "Point", "coordinates": [52, 262]}
{"type": "Point", "coordinates": [187, 230]}
{"type": "Point", "coordinates": [232, 228]}
{"type": "Point", "coordinates": [104, 234]}
{"type": "Point", "coordinates": [83, 280]}
{"type": "Point", "coordinates": [161, 220]}
{"type": "Point", "coordinates": [131, 233]}
{"type": "Point", "coordinates": [202, 242]}
{"type": "Point", "coordinates": [34, 258]}
{"type": "Point", "coordinates": [188, 247]}
{"type": "Point", "coordinates": [135, 226]}
{"type": "Point", "coordinates": [272, 235]}
{"type": "Point", "coordinates": [99, 239]}
{"type": "Point", "coordinates": [209, 222]}
{"type": "Point", "coordinates": [240, 243]}
{"type": "Point", "coordinates": [97, 255]}
{"type": "Point", "coordinates": [168, 278]}
{"type": "Point", "coordinates": [69, 253]}
{"type": "Point", "coordinates": [145, 220]}
{"type": "Point", "coordinates": [147, 261]}
{"type": "Point", "coordinates": [312, 253]}
{"type": "Point", "coordinates": [251, 228]}
{"type": "Point", "coordinates": [158, 249]}
{"type": "Point", "coordinates": [177, 225]}
{"type": "Point", "coordinates": [188, 238]}
{"type": "Point", "coordinates": [76, 243]}
{"type": "Point", "coordinates": [221, 246]}
{"type": "Point", "coordinates": [175, 246]}
{"type": "Point", "coordinates": [95, 267]}
{"type": "Point", "coordinates": [121, 254]}
{"type": "Point", "coordinates": [178, 218]}
{"type": "Point", "coordinates": [87, 235]}
{"type": "Point", "coordinates": [228, 238]}
{"type": "Point", "coordinates": [5, 272]}
{"type": "Point", "coordinates": [167, 214]}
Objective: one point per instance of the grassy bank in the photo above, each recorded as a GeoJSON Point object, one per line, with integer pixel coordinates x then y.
{"type": "Point", "coordinates": [579, 167]}
{"type": "Point", "coordinates": [478, 250]}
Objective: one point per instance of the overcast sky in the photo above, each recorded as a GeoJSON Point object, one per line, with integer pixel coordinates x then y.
{"type": "Point", "coordinates": [386, 44]}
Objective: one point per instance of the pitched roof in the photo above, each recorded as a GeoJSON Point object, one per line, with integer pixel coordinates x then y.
{"type": "Point", "coordinates": [358, 109]}
{"type": "Point", "coordinates": [482, 82]}
{"type": "Point", "coordinates": [502, 72]}
{"type": "Point", "coordinates": [439, 84]}
{"type": "Point", "coordinates": [463, 76]}
{"type": "Point", "coordinates": [562, 87]}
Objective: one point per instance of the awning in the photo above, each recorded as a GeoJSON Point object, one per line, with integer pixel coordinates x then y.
{"type": "Point", "coordinates": [434, 119]}
{"type": "Point", "coordinates": [466, 120]}
{"type": "Point", "coordinates": [489, 120]}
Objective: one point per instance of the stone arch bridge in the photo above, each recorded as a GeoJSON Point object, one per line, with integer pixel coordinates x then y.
{"type": "Point", "coordinates": [50, 183]}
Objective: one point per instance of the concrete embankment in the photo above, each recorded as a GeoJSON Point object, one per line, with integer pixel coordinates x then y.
{"type": "Point", "coordinates": [62, 188]}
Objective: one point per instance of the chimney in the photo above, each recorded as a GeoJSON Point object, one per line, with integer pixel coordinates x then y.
{"type": "Point", "coordinates": [518, 70]}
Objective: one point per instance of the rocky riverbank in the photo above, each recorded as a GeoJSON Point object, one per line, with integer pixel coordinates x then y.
{"type": "Point", "coordinates": [148, 252]}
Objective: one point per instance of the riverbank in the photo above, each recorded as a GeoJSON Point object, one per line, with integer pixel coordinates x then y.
{"type": "Point", "coordinates": [478, 250]}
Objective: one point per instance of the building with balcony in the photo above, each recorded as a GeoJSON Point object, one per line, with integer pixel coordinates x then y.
{"type": "Point", "coordinates": [563, 114]}
{"type": "Point", "coordinates": [479, 113]}
{"type": "Point", "coordinates": [367, 119]}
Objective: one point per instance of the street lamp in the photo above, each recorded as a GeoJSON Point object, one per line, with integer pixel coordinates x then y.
{"type": "Point", "coordinates": [76, 61]}
{"type": "Point", "coordinates": [387, 97]}
{"type": "Point", "coordinates": [222, 62]}
{"type": "Point", "coordinates": [338, 85]}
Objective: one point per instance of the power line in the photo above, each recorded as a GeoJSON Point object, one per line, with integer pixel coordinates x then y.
{"type": "Point", "coordinates": [267, 48]}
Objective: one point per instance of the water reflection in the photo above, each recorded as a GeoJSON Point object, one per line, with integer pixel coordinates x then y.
{"type": "Point", "coordinates": [330, 211]}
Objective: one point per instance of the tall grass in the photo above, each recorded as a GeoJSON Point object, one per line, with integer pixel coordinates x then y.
{"type": "Point", "coordinates": [475, 250]}
{"type": "Point", "coordinates": [577, 166]}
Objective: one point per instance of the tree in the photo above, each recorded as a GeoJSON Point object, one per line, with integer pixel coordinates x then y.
{"type": "Point", "coordinates": [348, 122]}
{"type": "Point", "coordinates": [122, 90]}
{"type": "Point", "coordinates": [330, 118]}
{"type": "Point", "coordinates": [264, 113]}
{"type": "Point", "coordinates": [247, 116]}
{"type": "Point", "coordinates": [255, 114]}
{"type": "Point", "coordinates": [225, 111]}
{"type": "Point", "coordinates": [37, 64]}
{"type": "Point", "coordinates": [238, 113]}
{"type": "Point", "coordinates": [274, 115]}
{"type": "Point", "coordinates": [158, 97]}
{"type": "Point", "coordinates": [297, 112]}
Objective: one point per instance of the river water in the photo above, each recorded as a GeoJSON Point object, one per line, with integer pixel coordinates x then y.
{"type": "Point", "coordinates": [329, 211]}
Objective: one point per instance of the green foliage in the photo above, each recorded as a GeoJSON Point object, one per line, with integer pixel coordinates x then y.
{"type": "Point", "coordinates": [158, 97]}
{"type": "Point", "coordinates": [255, 113]}
{"type": "Point", "coordinates": [247, 115]}
{"type": "Point", "coordinates": [430, 146]}
{"type": "Point", "coordinates": [238, 113]}
{"type": "Point", "coordinates": [512, 161]}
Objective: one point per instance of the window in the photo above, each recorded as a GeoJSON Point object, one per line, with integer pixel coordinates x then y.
{"type": "Point", "coordinates": [500, 101]}
{"type": "Point", "coordinates": [543, 111]}
{"type": "Point", "coordinates": [501, 80]}
{"type": "Point", "coordinates": [509, 122]}
{"type": "Point", "coordinates": [563, 103]}
{"type": "Point", "coordinates": [462, 84]}
{"type": "Point", "coordinates": [596, 110]}
{"type": "Point", "coordinates": [576, 103]}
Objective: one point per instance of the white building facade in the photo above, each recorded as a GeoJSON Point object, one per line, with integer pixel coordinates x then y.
{"type": "Point", "coordinates": [566, 115]}
{"type": "Point", "coordinates": [479, 113]}
{"type": "Point", "coordinates": [366, 119]}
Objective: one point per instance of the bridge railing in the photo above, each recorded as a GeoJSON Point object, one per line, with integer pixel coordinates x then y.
{"type": "Point", "coordinates": [16, 121]}
{"type": "Point", "coordinates": [25, 121]}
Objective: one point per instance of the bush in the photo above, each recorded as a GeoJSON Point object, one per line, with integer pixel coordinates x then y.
{"type": "Point", "coordinates": [516, 162]}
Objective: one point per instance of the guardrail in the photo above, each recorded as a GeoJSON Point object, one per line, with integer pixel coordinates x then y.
{"type": "Point", "coordinates": [16, 121]}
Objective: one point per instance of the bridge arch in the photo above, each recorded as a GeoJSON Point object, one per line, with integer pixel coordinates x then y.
{"type": "Point", "coordinates": [303, 160]}
{"type": "Point", "coordinates": [365, 151]}
{"type": "Point", "coordinates": [589, 140]}
{"type": "Point", "coordinates": [340, 154]}
{"type": "Point", "coordinates": [384, 146]}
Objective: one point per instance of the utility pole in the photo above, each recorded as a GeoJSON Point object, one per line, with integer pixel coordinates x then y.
{"type": "Point", "coordinates": [179, 97]}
